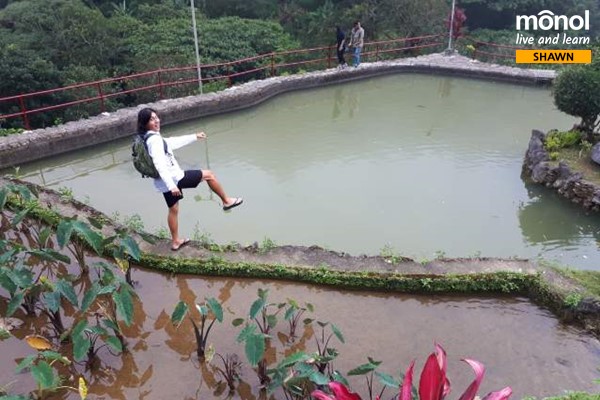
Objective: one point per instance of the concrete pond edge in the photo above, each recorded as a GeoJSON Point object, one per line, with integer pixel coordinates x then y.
{"type": "Point", "coordinates": [40, 143]}
{"type": "Point", "coordinates": [544, 285]}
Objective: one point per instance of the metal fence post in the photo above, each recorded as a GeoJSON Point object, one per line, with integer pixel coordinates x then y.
{"type": "Point", "coordinates": [101, 95]}
{"type": "Point", "coordinates": [272, 64]}
{"type": "Point", "coordinates": [160, 86]}
{"type": "Point", "coordinates": [24, 112]}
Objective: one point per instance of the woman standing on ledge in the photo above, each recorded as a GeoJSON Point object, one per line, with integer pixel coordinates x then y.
{"type": "Point", "coordinates": [172, 178]}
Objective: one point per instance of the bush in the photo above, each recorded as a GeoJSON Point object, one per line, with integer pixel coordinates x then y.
{"type": "Point", "coordinates": [576, 92]}
{"type": "Point", "coordinates": [556, 140]}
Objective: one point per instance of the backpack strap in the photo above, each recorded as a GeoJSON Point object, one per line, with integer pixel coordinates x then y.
{"type": "Point", "coordinates": [147, 135]}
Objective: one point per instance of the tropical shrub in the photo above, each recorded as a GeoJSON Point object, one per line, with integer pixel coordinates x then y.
{"type": "Point", "coordinates": [556, 140]}
{"type": "Point", "coordinates": [433, 385]}
{"type": "Point", "coordinates": [576, 92]}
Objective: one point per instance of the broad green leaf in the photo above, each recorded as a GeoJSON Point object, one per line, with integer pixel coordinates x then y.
{"type": "Point", "coordinates": [131, 247]}
{"type": "Point", "coordinates": [179, 313]}
{"type": "Point", "coordinates": [202, 309]}
{"type": "Point", "coordinates": [272, 320]}
{"type": "Point", "coordinates": [95, 222]}
{"type": "Point", "coordinates": [90, 295]}
{"type": "Point", "coordinates": [25, 363]}
{"type": "Point", "coordinates": [24, 192]}
{"type": "Point", "coordinates": [310, 307]}
{"type": "Point", "coordinates": [22, 277]}
{"type": "Point", "coordinates": [256, 307]}
{"type": "Point", "coordinates": [3, 197]}
{"type": "Point", "coordinates": [107, 289]}
{"type": "Point", "coordinates": [14, 303]}
{"type": "Point", "coordinates": [44, 236]}
{"type": "Point", "coordinates": [237, 321]}
{"type": "Point", "coordinates": [216, 308]}
{"type": "Point", "coordinates": [81, 345]}
{"type": "Point", "coordinates": [19, 216]}
{"type": "Point", "coordinates": [363, 369]}
{"type": "Point", "coordinates": [122, 299]}
{"type": "Point", "coordinates": [338, 377]}
{"type": "Point", "coordinates": [255, 348]}
{"type": "Point", "coordinates": [262, 293]}
{"type": "Point", "coordinates": [112, 325]}
{"type": "Point", "coordinates": [53, 355]}
{"type": "Point", "coordinates": [303, 370]}
{"type": "Point", "coordinates": [50, 255]}
{"type": "Point", "coordinates": [4, 334]}
{"type": "Point", "coordinates": [6, 282]}
{"type": "Point", "coordinates": [307, 321]}
{"type": "Point", "coordinates": [66, 289]}
{"type": "Point", "coordinates": [43, 375]}
{"type": "Point", "coordinates": [114, 343]}
{"type": "Point", "coordinates": [52, 300]}
{"type": "Point", "coordinates": [318, 378]}
{"type": "Point", "coordinates": [293, 359]}
{"type": "Point", "coordinates": [387, 380]}
{"type": "Point", "coordinates": [94, 239]}
{"type": "Point", "coordinates": [79, 328]}
{"type": "Point", "coordinates": [337, 333]}
{"type": "Point", "coordinates": [98, 330]}
{"type": "Point", "coordinates": [63, 232]}
{"type": "Point", "coordinates": [289, 313]}
{"type": "Point", "coordinates": [247, 331]}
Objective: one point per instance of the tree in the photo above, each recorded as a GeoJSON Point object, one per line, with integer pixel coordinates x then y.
{"type": "Point", "coordinates": [576, 92]}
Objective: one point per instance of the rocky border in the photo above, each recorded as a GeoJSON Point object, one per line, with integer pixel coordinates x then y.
{"type": "Point", "coordinates": [542, 284]}
{"type": "Point", "coordinates": [41, 143]}
{"type": "Point", "coordinates": [569, 184]}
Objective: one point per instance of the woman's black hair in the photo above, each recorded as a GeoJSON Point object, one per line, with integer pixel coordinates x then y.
{"type": "Point", "coordinates": [143, 118]}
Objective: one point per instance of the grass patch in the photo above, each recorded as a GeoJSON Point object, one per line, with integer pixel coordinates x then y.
{"type": "Point", "coordinates": [590, 280]}
{"type": "Point", "coordinates": [571, 396]}
{"type": "Point", "coordinates": [579, 161]}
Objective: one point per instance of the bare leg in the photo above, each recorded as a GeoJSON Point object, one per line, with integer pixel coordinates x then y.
{"type": "Point", "coordinates": [173, 222]}
{"type": "Point", "coordinates": [216, 187]}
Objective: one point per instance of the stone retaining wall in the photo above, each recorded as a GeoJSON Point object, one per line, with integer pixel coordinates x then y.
{"type": "Point", "coordinates": [41, 143]}
{"type": "Point", "coordinates": [569, 184]}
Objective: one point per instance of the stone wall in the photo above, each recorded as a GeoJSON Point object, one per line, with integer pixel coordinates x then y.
{"type": "Point", "coordinates": [569, 184]}
{"type": "Point", "coordinates": [41, 143]}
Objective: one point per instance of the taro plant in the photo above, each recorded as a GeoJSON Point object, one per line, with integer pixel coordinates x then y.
{"type": "Point", "coordinates": [433, 385]}
{"type": "Point", "coordinates": [210, 308]}
{"type": "Point", "coordinates": [42, 368]}
{"type": "Point", "coordinates": [230, 370]}
{"type": "Point", "coordinates": [293, 315]}
{"type": "Point", "coordinates": [262, 318]}
{"type": "Point", "coordinates": [325, 354]}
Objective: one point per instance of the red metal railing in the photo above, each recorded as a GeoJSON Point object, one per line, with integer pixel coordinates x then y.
{"type": "Point", "coordinates": [155, 84]}
{"type": "Point", "coordinates": [492, 51]}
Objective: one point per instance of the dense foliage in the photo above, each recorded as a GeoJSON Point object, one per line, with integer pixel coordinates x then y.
{"type": "Point", "coordinates": [46, 44]}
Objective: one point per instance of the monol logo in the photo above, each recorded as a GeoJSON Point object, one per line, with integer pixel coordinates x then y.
{"type": "Point", "coordinates": [546, 20]}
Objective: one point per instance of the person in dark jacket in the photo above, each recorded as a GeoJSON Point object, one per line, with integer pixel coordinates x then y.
{"type": "Point", "coordinates": [341, 47]}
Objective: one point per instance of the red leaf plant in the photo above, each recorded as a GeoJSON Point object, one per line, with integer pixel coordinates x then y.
{"type": "Point", "coordinates": [433, 385]}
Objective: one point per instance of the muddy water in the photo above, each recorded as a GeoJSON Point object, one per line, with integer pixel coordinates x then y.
{"type": "Point", "coordinates": [420, 164]}
{"type": "Point", "coordinates": [522, 345]}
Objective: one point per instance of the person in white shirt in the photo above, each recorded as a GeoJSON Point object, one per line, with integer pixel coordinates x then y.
{"type": "Point", "coordinates": [357, 37]}
{"type": "Point", "coordinates": [172, 178]}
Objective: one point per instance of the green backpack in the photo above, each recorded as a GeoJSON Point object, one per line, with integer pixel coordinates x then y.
{"type": "Point", "coordinates": [141, 158]}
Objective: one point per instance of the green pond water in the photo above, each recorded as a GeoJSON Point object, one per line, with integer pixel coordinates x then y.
{"type": "Point", "coordinates": [419, 165]}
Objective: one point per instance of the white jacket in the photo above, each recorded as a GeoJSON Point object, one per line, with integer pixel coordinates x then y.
{"type": "Point", "coordinates": [166, 164]}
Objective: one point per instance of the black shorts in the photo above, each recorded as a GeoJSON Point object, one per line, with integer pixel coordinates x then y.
{"type": "Point", "coordinates": [191, 179]}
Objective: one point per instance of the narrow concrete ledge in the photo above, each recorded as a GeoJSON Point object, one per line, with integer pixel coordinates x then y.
{"type": "Point", "coordinates": [544, 285]}
{"type": "Point", "coordinates": [42, 143]}
{"type": "Point", "coordinates": [569, 184]}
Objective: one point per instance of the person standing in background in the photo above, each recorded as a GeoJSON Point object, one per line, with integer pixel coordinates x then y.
{"type": "Point", "coordinates": [341, 47]}
{"type": "Point", "coordinates": [357, 41]}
